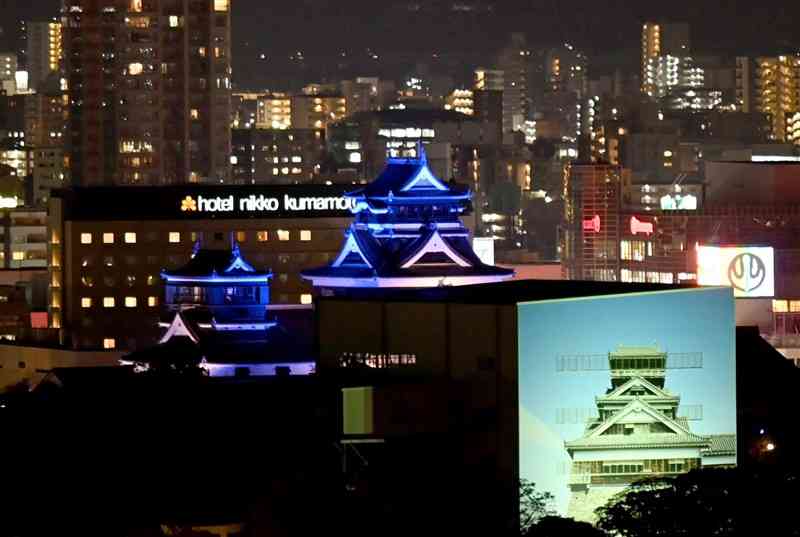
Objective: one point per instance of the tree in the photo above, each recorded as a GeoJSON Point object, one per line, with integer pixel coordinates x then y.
{"type": "Point", "coordinates": [707, 502]}
{"type": "Point", "coordinates": [533, 505]}
{"type": "Point", "coordinates": [555, 526]}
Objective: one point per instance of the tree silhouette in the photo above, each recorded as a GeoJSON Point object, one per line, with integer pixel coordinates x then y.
{"type": "Point", "coordinates": [707, 502]}
{"type": "Point", "coordinates": [533, 505]}
{"type": "Point", "coordinates": [555, 526]}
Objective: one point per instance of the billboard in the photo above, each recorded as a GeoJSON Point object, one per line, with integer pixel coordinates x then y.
{"type": "Point", "coordinates": [750, 270]}
{"type": "Point", "coordinates": [616, 389]}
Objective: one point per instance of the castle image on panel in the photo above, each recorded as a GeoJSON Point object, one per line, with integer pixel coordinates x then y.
{"type": "Point", "coordinates": [637, 434]}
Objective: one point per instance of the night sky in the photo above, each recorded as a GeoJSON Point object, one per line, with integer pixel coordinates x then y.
{"type": "Point", "coordinates": [322, 29]}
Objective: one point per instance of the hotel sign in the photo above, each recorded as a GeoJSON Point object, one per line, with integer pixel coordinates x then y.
{"type": "Point", "coordinates": [199, 202]}
{"type": "Point", "coordinates": [264, 204]}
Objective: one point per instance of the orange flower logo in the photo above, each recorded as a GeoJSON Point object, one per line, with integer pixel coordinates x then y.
{"type": "Point", "coordinates": [188, 204]}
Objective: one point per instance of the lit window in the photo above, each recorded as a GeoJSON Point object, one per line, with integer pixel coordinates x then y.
{"type": "Point", "coordinates": [195, 113]}
{"type": "Point", "coordinates": [174, 22]}
{"type": "Point", "coordinates": [135, 68]}
{"type": "Point", "coordinates": [108, 238]}
{"type": "Point", "coordinates": [262, 236]}
{"type": "Point", "coordinates": [109, 302]}
{"type": "Point", "coordinates": [174, 237]}
{"type": "Point", "coordinates": [130, 238]}
{"type": "Point", "coordinates": [18, 256]}
{"type": "Point", "coordinates": [241, 236]}
{"type": "Point", "coordinates": [86, 238]}
{"type": "Point", "coordinates": [221, 5]}
{"type": "Point", "coordinates": [109, 343]}
{"type": "Point", "coordinates": [152, 301]}
{"type": "Point", "coordinates": [130, 301]}
{"type": "Point", "coordinates": [780, 306]}
{"type": "Point", "coordinates": [305, 298]}
{"type": "Point", "coordinates": [86, 302]}
{"type": "Point", "coordinates": [305, 235]}
{"type": "Point", "coordinates": [283, 235]}
{"type": "Point", "coordinates": [794, 306]}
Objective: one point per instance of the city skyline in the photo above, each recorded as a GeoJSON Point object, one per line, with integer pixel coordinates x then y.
{"type": "Point", "coordinates": [446, 36]}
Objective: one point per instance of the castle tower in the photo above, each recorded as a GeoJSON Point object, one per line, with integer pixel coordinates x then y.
{"type": "Point", "coordinates": [407, 233]}
{"type": "Point", "coordinates": [636, 434]}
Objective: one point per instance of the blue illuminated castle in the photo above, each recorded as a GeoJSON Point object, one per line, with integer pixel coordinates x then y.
{"type": "Point", "coordinates": [215, 314]}
{"type": "Point", "coordinates": [407, 232]}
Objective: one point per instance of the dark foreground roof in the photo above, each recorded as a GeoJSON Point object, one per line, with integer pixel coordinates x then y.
{"type": "Point", "coordinates": [516, 291]}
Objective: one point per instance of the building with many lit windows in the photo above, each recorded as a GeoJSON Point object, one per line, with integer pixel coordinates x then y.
{"type": "Point", "coordinates": [665, 73]}
{"type": "Point", "coordinates": [461, 100]}
{"type": "Point", "coordinates": [277, 156]}
{"type": "Point", "coordinates": [44, 52]}
{"type": "Point", "coordinates": [660, 40]}
{"type": "Point", "coordinates": [149, 91]}
{"type": "Point", "coordinates": [771, 85]}
{"type": "Point", "coordinates": [274, 111]}
{"type": "Point", "coordinates": [107, 248]}
{"type": "Point", "coordinates": [316, 111]}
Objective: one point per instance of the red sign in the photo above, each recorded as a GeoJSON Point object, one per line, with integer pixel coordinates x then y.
{"type": "Point", "coordinates": [641, 227]}
{"type": "Point", "coordinates": [593, 224]}
{"type": "Point", "coordinates": [39, 319]}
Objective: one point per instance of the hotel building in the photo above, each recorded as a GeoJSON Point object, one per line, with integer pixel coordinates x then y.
{"type": "Point", "coordinates": [108, 247]}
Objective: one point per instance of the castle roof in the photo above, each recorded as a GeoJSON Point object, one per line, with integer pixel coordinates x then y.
{"type": "Point", "coordinates": [721, 444]}
{"type": "Point", "coordinates": [625, 351]}
{"type": "Point", "coordinates": [185, 337]}
{"type": "Point", "coordinates": [389, 247]}
{"type": "Point", "coordinates": [210, 265]}
{"type": "Point", "coordinates": [410, 178]}
{"type": "Point", "coordinates": [433, 254]}
{"type": "Point", "coordinates": [677, 432]}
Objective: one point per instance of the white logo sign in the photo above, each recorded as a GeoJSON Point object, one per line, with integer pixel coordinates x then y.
{"type": "Point", "coordinates": [749, 270]}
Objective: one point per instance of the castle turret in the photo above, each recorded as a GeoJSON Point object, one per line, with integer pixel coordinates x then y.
{"type": "Point", "coordinates": [407, 232]}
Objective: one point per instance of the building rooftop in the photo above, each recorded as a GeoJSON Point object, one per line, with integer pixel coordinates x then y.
{"type": "Point", "coordinates": [518, 291]}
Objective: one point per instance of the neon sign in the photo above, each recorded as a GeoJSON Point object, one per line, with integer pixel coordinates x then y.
{"type": "Point", "coordinates": [592, 224]}
{"type": "Point", "coordinates": [638, 226]}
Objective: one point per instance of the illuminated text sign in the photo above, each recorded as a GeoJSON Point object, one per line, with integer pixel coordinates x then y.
{"type": "Point", "coordinates": [638, 226]}
{"type": "Point", "coordinates": [261, 203]}
{"type": "Point", "coordinates": [592, 224]}
{"type": "Point", "coordinates": [749, 270]}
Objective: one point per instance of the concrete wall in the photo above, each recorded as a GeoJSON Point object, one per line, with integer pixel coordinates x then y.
{"type": "Point", "coordinates": [19, 364]}
{"type": "Point", "coordinates": [754, 312]}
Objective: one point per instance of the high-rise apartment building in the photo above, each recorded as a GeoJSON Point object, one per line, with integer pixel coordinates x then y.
{"type": "Point", "coordinates": [665, 73]}
{"type": "Point", "coordinates": [771, 85]}
{"type": "Point", "coordinates": [149, 86]}
{"type": "Point", "coordinates": [662, 39]}
{"type": "Point", "coordinates": [43, 52]}
{"type": "Point", "coordinates": [316, 111]}
{"type": "Point", "coordinates": [566, 69]}
{"type": "Point", "coordinates": [489, 79]}
{"type": "Point", "coordinates": [274, 111]}
{"type": "Point", "coordinates": [514, 61]}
